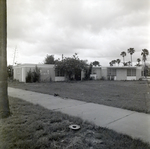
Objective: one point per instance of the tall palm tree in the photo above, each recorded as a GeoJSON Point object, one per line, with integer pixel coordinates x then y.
{"type": "Point", "coordinates": [123, 54]}
{"type": "Point", "coordinates": [4, 104]}
{"type": "Point", "coordinates": [118, 61]}
{"type": "Point", "coordinates": [131, 51]}
{"type": "Point", "coordinates": [144, 54]}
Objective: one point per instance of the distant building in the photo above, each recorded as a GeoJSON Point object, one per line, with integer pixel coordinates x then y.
{"type": "Point", "coordinates": [47, 72]}
{"type": "Point", "coordinates": [117, 73]}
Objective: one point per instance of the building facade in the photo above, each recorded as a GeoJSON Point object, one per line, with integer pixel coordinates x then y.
{"type": "Point", "coordinates": [47, 72]}
{"type": "Point", "coordinates": [117, 73]}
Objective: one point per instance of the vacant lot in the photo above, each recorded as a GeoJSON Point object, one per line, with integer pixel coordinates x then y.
{"type": "Point", "coordinates": [33, 127]}
{"type": "Point", "coordinates": [132, 95]}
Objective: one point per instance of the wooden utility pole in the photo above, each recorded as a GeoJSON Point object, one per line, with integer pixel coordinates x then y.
{"type": "Point", "coordinates": [4, 104]}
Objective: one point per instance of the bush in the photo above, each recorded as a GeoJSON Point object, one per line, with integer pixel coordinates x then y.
{"type": "Point", "coordinates": [33, 76]}
{"type": "Point", "coordinates": [36, 75]}
{"type": "Point", "coordinates": [29, 77]}
{"type": "Point", "coordinates": [102, 78]}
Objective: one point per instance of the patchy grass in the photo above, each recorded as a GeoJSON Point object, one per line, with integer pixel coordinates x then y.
{"type": "Point", "coordinates": [33, 127]}
{"type": "Point", "coordinates": [131, 95]}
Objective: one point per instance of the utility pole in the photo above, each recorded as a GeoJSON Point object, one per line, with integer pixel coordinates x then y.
{"type": "Point", "coordinates": [4, 104]}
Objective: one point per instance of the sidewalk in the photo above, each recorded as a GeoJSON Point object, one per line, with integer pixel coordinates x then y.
{"type": "Point", "coordinates": [134, 124]}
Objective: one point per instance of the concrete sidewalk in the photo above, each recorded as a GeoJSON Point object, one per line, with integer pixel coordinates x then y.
{"type": "Point", "coordinates": [134, 124]}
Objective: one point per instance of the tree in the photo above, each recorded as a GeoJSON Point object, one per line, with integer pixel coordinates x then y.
{"type": "Point", "coordinates": [129, 63]}
{"type": "Point", "coordinates": [71, 66]}
{"type": "Point", "coordinates": [4, 103]}
{"type": "Point", "coordinates": [131, 51]}
{"type": "Point", "coordinates": [138, 60]}
{"type": "Point", "coordinates": [125, 64]}
{"type": "Point", "coordinates": [144, 54]}
{"type": "Point", "coordinates": [88, 71]}
{"type": "Point", "coordinates": [96, 63]}
{"type": "Point", "coordinates": [49, 59]}
{"type": "Point", "coordinates": [123, 54]}
{"type": "Point", "coordinates": [113, 61]}
{"type": "Point", "coordinates": [33, 76]}
{"type": "Point", "coordinates": [10, 72]}
{"type": "Point", "coordinates": [110, 63]}
{"type": "Point", "coordinates": [118, 61]}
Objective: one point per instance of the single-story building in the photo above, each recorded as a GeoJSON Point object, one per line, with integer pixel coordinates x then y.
{"type": "Point", "coordinates": [47, 72]}
{"type": "Point", "coordinates": [117, 73]}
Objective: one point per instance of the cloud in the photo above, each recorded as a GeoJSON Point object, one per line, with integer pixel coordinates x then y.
{"type": "Point", "coordinates": [96, 30]}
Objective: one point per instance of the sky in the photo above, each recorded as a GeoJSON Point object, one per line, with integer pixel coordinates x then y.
{"type": "Point", "coordinates": [97, 30]}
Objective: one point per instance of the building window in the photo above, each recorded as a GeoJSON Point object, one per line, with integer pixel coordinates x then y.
{"type": "Point", "coordinates": [111, 72]}
{"type": "Point", "coordinates": [131, 72]}
{"type": "Point", "coordinates": [59, 73]}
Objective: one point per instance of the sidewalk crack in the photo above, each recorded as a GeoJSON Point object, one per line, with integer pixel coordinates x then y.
{"type": "Point", "coordinates": [120, 118]}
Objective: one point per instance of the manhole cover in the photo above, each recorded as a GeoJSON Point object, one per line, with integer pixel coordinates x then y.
{"type": "Point", "coordinates": [74, 127]}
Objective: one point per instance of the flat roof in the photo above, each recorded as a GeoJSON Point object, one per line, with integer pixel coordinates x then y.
{"type": "Point", "coordinates": [34, 65]}
{"type": "Point", "coordinates": [123, 67]}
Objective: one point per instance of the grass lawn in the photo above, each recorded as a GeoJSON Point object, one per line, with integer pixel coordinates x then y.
{"type": "Point", "coordinates": [132, 95]}
{"type": "Point", "coordinates": [33, 127]}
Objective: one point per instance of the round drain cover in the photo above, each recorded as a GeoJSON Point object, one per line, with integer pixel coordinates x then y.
{"type": "Point", "coordinates": [74, 127]}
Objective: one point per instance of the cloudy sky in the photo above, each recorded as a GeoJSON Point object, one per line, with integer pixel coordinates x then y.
{"type": "Point", "coordinates": [95, 29]}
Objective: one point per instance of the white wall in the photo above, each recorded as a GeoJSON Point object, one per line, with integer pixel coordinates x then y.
{"type": "Point", "coordinates": [93, 76]}
{"type": "Point", "coordinates": [59, 78]}
{"type": "Point", "coordinates": [104, 72]}
{"type": "Point", "coordinates": [121, 74]}
{"type": "Point", "coordinates": [131, 77]}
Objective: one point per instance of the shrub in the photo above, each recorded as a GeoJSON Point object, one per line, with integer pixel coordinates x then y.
{"type": "Point", "coordinates": [33, 76]}
{"type": "Point", "coordinates": [102, 78]}
{"type": "Point", "coordinates": [29, 77]}
{"type": "Point", "coordinates": [36, 74]}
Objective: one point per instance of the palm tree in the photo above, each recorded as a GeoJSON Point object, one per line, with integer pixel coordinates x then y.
{"type": "Point", "coordinates": [118, 61]}
{"type": "Point", "coordinates": [138, 60]}
{"type": "Point", "coordinates": [110, 63]}
{"type": "Point", "coordinates": [4, 104]}
{"type": "Point", "coordinates": [144, 54]}
{"type": "Point", "coordinates": [123, 54]}
{"type": "Point", "coordinates": [131, 51]}
{"type": "Point", "coordinates": [113, 61]}
{"type": "Point", "coordinates": [129, 63]}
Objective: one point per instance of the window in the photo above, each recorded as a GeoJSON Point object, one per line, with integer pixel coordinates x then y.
{"type": "Point", "coordinates": [131, 72]}
{"type": "Point", "coordinates": [59, 73]}
{"type": "Point", "coordinates": [111, 72]}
